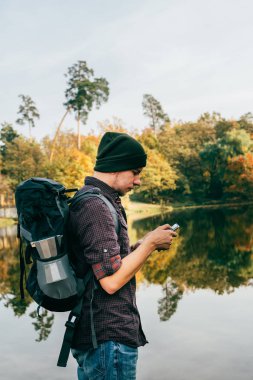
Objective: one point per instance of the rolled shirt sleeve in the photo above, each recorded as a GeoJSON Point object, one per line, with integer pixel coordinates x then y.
{"type": "Point", "coordinates": [95, 230]}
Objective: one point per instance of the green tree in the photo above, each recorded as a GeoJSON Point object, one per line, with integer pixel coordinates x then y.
{"type": "Point", "coordinates": [83, 91]}
{"type": "Point", "coordinates": [28, 112]}
{"type": "Point", "coordinates": [246, 123]}
{"type": "Point", "coordinates": [209, 119]}
{"type": "Point", "coordinates": [225, 126]}
{"type": "Point", "coordinates": [24, 158]}
{"type": "Point", "coordinates": [180, 146]}
{"type": "Point", "coordinates": [153, 110]}
{"type": "Point", "coordinates": [215, 158]}
{"type": "Point", "coordinates": [7, 135]}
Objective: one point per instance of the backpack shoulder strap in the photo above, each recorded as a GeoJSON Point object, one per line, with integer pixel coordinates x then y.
{"type": "Point", "coordinates": [112, 210]}
{"type": "Point", "coordinates": [96, 193]}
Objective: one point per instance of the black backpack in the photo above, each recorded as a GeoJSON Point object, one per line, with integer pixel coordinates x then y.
{"type": "Point", "coordinates": [43, 209]}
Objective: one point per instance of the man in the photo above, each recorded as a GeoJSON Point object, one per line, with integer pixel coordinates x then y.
{"type": "Point", "coordinates": [97, 244]}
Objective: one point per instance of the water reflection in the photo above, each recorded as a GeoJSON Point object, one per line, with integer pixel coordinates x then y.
{"type": "Point", "coordinates": [213, 251]}
{"type": "Point", "coordinates": [42, 323]}
{"type": "Point", "coordinates": [9, 283]}
{"type": "Point", "coordinates": [167, 305]}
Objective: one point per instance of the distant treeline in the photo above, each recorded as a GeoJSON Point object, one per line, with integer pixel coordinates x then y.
{"type": "Point", "coordinates": [203, 161]}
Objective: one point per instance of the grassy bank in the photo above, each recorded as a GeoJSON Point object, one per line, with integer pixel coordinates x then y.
{"type": "Point", "coordinates": [139, 210]}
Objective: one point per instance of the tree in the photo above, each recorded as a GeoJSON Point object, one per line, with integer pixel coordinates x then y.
{"type": "Point", "coordinates": [181, 146]}
{"type": "Point", "coordinates": [153, 110]}
{"type": "Point", "coordinates": [225, 126]}
{"type": "Point", "coordinates": [157, 178]}
{"type": "Point", "coordinates": [7, 135]}
{"type": "Point", "coordinates": [116, 125]}
{"type": "Point", "coordinates": [24, 158]}
{"type": "Point", "coordinates": [56, 135]}
{"type": "Point", "coordinates": [70, 165]}
{"type": "Point", "coordinates": [28, 112]}
{"type": "Point", "coordinates": [246, 123]}
{"type": "Point", "coordinates": [210, 119]}
{"type": "Point", "coordinates": [216, 157]}
{"type": "Point", "coordinates": [149, 139]}
{"type": "Point", "coordinates": [83, 92]}
{"type": "Point", "coordinates": [239, 176]}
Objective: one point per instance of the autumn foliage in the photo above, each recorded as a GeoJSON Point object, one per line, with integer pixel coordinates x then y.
{"type": "Point", "coordinates": [210, 160]}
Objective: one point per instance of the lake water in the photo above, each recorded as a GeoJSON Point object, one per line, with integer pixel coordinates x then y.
{"type": "Point", "coordinates": [196, 304]}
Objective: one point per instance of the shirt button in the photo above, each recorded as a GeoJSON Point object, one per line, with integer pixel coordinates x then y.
{"type": "Point", "coordinates": [105, 250]}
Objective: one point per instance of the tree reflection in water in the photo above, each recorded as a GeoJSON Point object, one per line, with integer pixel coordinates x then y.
{"type": "Point", "coordinates": [213, 250]}
{"type": "Point", "coordinates": [9, 284]}
{"type": "Point", "coordinates": [167, 305]}
{"type": "Point", "coordinates": [43, 323]}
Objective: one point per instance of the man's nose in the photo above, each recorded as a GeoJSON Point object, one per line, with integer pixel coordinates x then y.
{"type": "Point", "coordinates": [137, 182]}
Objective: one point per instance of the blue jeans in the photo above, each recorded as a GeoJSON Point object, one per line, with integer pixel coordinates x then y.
{"type": "Point", "coordinates": [110, 361]}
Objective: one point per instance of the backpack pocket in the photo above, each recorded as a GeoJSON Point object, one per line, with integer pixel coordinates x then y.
{"type": "Point", "coordinates": [56, 278]}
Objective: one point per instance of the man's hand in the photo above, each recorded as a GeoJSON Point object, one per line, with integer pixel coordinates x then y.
{"type": "Point", "coordinates": [161, 237]}
{"type": "Point", "coordinates": [158, 235]}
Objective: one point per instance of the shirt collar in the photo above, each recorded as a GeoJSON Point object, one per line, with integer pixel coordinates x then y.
{"type": "Point", "coordinates": [102, 185]}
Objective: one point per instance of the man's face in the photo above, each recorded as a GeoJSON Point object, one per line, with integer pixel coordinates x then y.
{"type": "Point", "coordinates": [126, 180]}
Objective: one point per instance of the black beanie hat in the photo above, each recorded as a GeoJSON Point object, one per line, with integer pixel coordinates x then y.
{"type": "Point", "coordinates": [118, 152]}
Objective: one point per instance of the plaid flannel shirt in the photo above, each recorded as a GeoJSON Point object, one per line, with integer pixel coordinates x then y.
{"type": "Point", "coordinates": [95, 243]}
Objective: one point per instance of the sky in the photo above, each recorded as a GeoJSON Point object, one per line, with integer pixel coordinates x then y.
{"type": "Point", "coordinates": [193, 56]}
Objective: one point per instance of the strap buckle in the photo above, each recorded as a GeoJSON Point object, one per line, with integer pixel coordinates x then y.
{"type": "Point", "coordinates": [70, 324]}
{"type": "Point", "coordinates": [71, 321]}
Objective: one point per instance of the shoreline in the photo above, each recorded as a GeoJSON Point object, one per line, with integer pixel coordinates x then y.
{"type": "Point", "coordinates": [212, 205]}
{"type": "Point", "coordinates": [138, 210]}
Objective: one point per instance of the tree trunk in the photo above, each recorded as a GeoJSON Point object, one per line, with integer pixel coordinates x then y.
{"type": "Point", "coordinates": [153, 123]}
{"type": "Point", "coordinates": [30, 131]}
{"type": "Point", "coordinates": [56, 135]}
{"type": "Point", "coordinates": [78, 132]}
